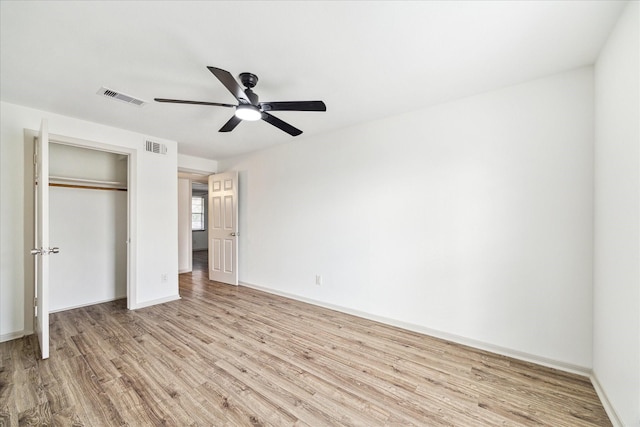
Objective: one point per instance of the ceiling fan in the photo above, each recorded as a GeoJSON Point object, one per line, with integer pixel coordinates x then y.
{"type": "Point", "coordinates": [249, 107]}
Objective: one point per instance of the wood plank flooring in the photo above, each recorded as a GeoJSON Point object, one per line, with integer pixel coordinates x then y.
{"type": "Point", "coordinates": [226, 356]}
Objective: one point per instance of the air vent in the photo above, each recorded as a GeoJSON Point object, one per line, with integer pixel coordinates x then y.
{"type": "Point", "coordinates": [120, 97]}
{"type": "Point", "coordinates": [155, 147]}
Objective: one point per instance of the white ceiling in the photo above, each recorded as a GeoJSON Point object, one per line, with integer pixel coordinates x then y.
{"type": "Point", "coordinates": [364, 59]}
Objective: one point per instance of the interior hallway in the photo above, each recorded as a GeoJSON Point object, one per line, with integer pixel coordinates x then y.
{"type": "Point", "coordinates": [200, 265]}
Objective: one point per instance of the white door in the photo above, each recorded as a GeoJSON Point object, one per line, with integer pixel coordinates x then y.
{"type": "Point", "coordinates": [42, 249]}
{"type": "Point", "coordinates": [223, 227]}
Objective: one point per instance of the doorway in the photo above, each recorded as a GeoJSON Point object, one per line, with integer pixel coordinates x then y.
{"type": "Point", "coordinates": [88, 208]}
{"type": "Point", "coordinates": [217, 214]}
{"type": "Point", "coordinates": [123, 214]}
{"type": "Point", "coordinates": [200, 226]}
{"type": "Point", "coordinates": [193, 242]}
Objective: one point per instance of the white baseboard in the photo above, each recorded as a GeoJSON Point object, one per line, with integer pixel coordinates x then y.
{"type": "Point", "coordinates": [19, 334]}
{"type": "Point", "coordinates": [87, 304]}
{"type": "Point", "coordinates": [12, 336]}
{"type": "Point", "coordinates": [613, 416]}
{"type": "Point", "coordinates": [155, 302]}
{"type": "Point", "coordinates": [550, 363]}
{"type": "Point", "coordinates": [186, 270]}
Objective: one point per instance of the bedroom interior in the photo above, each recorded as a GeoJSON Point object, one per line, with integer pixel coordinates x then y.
{"type": "Point", "coordinates": [454, 241]}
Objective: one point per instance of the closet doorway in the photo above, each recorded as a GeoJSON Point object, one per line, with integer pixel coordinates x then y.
{"type": "Point", "coordinates": [86, 170]}
{"type": "Point", "coordinates": [88, 220]}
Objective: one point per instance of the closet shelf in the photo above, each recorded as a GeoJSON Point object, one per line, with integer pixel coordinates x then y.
{"type": "Point", "coordinates": [89, 183]}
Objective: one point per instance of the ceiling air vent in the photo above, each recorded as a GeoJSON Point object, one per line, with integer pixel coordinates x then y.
{"type": "Point", "coordinates": [120, 97]}
{"type": "Point", "coordinates": [155, 147]}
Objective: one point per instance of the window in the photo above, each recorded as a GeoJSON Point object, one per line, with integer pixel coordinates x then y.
{"type": "Point", "coordinates": [197, 213]}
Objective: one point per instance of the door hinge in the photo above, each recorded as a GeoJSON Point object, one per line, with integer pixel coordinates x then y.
{"type": "Point", "coordinates": [35, 302]}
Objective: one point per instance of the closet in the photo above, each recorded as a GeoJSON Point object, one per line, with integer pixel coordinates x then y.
{"type": "Point", "coordinates": [88, 222]}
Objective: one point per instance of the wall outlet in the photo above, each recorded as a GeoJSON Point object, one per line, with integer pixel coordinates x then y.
{"type": "Point", "coordinates": [318, 279]}
{"type": "Point", "coordinates": [163, 277]}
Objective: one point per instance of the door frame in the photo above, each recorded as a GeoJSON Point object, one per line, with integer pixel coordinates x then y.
{"type": "Point", "coordinates": [132, 235]}
{"type": "Point", "coordinates": [182, 228]}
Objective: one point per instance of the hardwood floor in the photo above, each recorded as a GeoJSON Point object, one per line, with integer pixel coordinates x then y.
{"type": "Point", "coordinates": [226, 356]}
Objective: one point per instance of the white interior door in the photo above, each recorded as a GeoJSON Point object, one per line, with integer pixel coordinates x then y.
{"type": "Point", "coordinates": [42, 249]}
{"type": "Point", "coordinates": [223, 227]}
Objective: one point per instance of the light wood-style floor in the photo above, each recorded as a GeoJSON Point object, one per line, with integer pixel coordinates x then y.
{"type": "Point", "coordinates": [226, 356]}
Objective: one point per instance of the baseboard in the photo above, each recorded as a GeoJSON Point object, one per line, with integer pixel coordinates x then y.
{"type": "Point", "coordinates": [87, 304]}
{"type": "Point", "coordinates": [155, 302]}
{"type": "Point", "coordinates": [186, 270]}
{"type": "Point", "coordinates": [550, 363]}
{"type": "Point", "coordinates": [613, 416]}
{"type": "Point", "coordinates": [11, 336]}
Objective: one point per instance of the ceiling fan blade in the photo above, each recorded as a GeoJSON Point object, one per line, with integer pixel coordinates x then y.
{"type": "Point", "coordinates": [231, 124]}
{"type": "Point", "coordinates": [280, 124]}
{"type": "Point", "coordinates": [294, 106]}
{"type": "Point", "coordinates": [230, 83]}
{"type": "Point", "coordinates": [180, 101]}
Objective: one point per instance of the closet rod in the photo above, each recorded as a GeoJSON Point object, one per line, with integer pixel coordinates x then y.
{"type": "Point", "coordinates": [85, 187]}
{"type": "Point", "coordinates": [84, 181]}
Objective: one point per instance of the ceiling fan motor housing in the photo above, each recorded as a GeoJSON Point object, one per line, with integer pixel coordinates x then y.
{"type": "Point", "coordinates": [248, 80]}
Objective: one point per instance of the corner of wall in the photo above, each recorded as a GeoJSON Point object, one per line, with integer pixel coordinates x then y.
{"type": "Point", "coordinates": [611, 412]}
{"type": "Point", "coordinates": [616, 266]}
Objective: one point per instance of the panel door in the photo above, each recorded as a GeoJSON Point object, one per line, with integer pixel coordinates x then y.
{"type": "Point", "coordinates": [223, 227]}
{"type": "Point", "coordinates": [42, 250]}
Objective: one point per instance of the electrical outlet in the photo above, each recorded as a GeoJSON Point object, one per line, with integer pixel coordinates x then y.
{"type": "Point", "coordinates": [318, 279]}
{"type": "Point", "coordinates": [163, 277]}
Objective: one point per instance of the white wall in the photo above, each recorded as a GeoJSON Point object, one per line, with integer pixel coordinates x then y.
{"type": "Point", "coordinates": [472, 218]}
{"type": "Point", "coordinates": [616, 363]}
{"type": "Point", "coordinates": [69, 161]}
{"type": "Point", "coordinates": [184, 225]}
{"type": "Point", "coordinates": [11, 230]}
{"type": "Point", "coordinates": [91, 228]}
{"type": "Point", "coordinates": [155, 225]}
{"type": "Point", "coordinates": [196, 165]}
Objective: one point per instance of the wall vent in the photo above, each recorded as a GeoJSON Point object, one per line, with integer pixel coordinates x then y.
{"type": "Point", "coordinates": [155, 147]}
{"type": "Point", "coordinates": [109, 93]}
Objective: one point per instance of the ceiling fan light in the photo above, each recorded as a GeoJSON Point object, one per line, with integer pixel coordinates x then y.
{"type": "Point", "coordinates": [248, 112]}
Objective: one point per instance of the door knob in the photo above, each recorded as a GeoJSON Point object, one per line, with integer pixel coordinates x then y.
{"type": "Point", "coordinates": [233, 234]}
{"type": "Point", "coordinates": [42, 251]}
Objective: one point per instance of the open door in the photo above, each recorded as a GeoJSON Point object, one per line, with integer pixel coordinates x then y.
{"type": "Point", "coordinates": [223, 227]}
{"type": "Point", "coordinates": [42, 249]}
